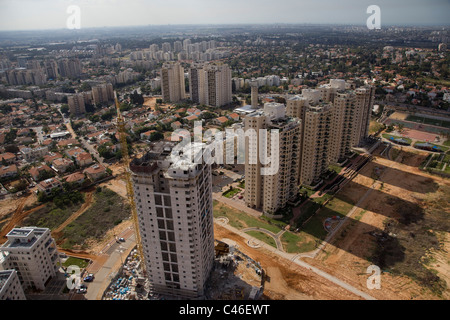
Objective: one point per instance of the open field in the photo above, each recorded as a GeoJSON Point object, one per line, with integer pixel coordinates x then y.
{"type": "Point", "coordinates": [108, 210]}
{"type": "Point", "coordinates": [402, 227]}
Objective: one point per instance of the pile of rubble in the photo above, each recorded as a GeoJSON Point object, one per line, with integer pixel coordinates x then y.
{"type": "Point", "coordinates": [128, 284]}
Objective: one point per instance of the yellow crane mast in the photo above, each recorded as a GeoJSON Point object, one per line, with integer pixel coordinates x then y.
{"type": "Point", "coordinates": [130, 192]}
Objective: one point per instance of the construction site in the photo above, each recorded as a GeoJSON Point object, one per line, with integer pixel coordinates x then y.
{"type": "Point", "coordinates": [235, 276]}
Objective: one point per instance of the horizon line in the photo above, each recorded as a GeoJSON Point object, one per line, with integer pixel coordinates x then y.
{"type": "Point", "coordinates": [229, 24]}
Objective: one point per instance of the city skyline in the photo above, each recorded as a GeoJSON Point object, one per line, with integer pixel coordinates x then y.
{"type": "Point", "coordinates": [52, 14]}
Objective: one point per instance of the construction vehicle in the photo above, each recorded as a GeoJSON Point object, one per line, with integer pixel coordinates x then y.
{"type": "Point", "coordinates": [130, 193]}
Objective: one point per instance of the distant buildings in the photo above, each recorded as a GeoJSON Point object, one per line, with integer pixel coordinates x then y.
{"type": "Point", "coordinates": [102, 93]}
{"type": "Point", "coordinates": [174, 204]}
{"type": "Point", "coordinates": [76, 104]}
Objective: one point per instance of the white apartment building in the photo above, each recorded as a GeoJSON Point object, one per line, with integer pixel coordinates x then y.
{"type": "Point", "coordinates": [32, 253]}
{"type": "Point", "coordinates": [174, 205]}
{"type": "Point", "coordinates": [272, 192]}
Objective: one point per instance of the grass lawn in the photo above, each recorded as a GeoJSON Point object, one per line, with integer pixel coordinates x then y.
{"type": "Point", "coordinates": [388, 136]}
{"type": "Point", "coordinates": [297, 243]}
{"type": "Point", "coordinates": [241, 220]}
{"type": "Point", "coordinates": [338, 206]}
{"type": "Point", "coordinates": [447, 143]}
{"type": "Point", "coordinates": [263, 237]}
{"type": "Point", "coordinates": [335, 168]}
{"type": "Point", "coordinates": [107, 210]}
{"type": "Point", "coordinates": [443, 148]}
{"type": "Point", "coordinates": [82, 263]}
{"type": "Point", "coordinates": [230, 193]}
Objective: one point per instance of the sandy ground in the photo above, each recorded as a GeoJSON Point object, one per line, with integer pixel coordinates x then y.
{"type": "Point", "coordinates": [343, 257]}
{"type": "Point", "coordinates": [399, 115]}
{"type": "Point", "coordinates": [286, 280]}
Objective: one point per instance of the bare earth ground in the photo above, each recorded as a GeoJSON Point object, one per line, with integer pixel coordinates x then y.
{"type": "Point", "coordinates": [286, 280]}
{"type": "Point", "coordinates": [344, 257]}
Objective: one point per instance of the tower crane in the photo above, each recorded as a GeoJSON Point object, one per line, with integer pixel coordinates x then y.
{"type": "Point", "coordinates": [130, 192]}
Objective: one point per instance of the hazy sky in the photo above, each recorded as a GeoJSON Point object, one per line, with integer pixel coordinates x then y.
{"type": "Point", "coordinates": [51, 14]}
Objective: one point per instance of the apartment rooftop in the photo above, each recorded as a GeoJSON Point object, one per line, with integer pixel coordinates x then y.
{"type": "Point", "coordinates": [23, 237]}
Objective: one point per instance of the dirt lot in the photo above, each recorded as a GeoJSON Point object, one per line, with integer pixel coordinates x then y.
{"type": "Point", "coordinates": [286, 280]}
{"type": "Point", "coordinates": [410, 201]}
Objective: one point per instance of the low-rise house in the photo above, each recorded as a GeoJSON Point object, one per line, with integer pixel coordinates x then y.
{"type": "Point", "coordinates": [73, 152]}
{"type": "Point", "coordinates": [233, 116]}
{"type": "Point", "coordinates": [8, 171]}
{"type": "Point", "coordinates": [221, 120]}
{"type": "Point", "coordinates": [176, 125]}
{"type": "Point", "coordinates": [52, 156]}
{"type": "Point", "coordinates": [48, 185]}
{"type": "Point", "coordinates": [146, 135]}
{"type": "Point", "coordinates": [68, 143]}
{"type": "Point", "coordinates": [9, 157]}
{"type": "Point", "coordinates": [62, 164]}
{"type": "Point", "coordinates": [38, 172]}
{"type": "Point", "coordinates": [76, 177]}
{"type": "Point", "coordinates": [95, 172]}
{"type": "Point", "coordinates": [83, 159]}
{"type": "Point", "coordinates": [30, 154]}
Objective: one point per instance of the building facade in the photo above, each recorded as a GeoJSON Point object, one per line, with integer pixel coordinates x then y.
{"type": "Point", "coordinates": [172, 82]}
{"type": "Point", "coordinates": [32, 253]}
{"type": "Point", "coordinates": [174, 205]}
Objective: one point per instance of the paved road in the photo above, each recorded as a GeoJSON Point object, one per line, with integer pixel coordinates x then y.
{"type": "Point", "coordinates": [116, 254]}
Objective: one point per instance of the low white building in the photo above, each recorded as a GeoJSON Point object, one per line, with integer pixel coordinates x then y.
{"type": "Point", "coordinates": [32, 252]}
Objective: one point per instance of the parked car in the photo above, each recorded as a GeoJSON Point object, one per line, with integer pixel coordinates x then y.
{"type": "Point", "coordinates": [121, 239]}
{"type": "Point", "coordinates": [82, 289]}
{"type": "Point", "coordinates": [89, 278]}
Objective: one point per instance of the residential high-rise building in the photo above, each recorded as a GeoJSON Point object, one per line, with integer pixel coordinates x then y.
{"type": "Point", "coordinates": [166, 47]}
{"type": "Point", "coordinates": [218, 84]}
{"type": "Point", "coordinates": [172, 82]}
{"type": "Point", "coordinates": [32, 253]}
{"type": "Point", "coordinates": [174, 205]}
{"type": "Point", "coordinates": [102, 93]}
{"type": "Point", "coordinates": [186, 44]}
{"type": "Point", "coordinates": [197, 83]}
{"type": "Point", "coordinates": [177, 46]}
{"type": "Point", "coordinates": [335, 118]}
{"type": "Point", "coordinates": [272, 192]}
{"type": "Point", "coordinates": [70, 68]}
{"type": "Point", "coordinates": [210, 84]}
{"type": "Point", "coordinates": [254, 94]}
{"type": "Point", "coordinates": [76, 104]}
